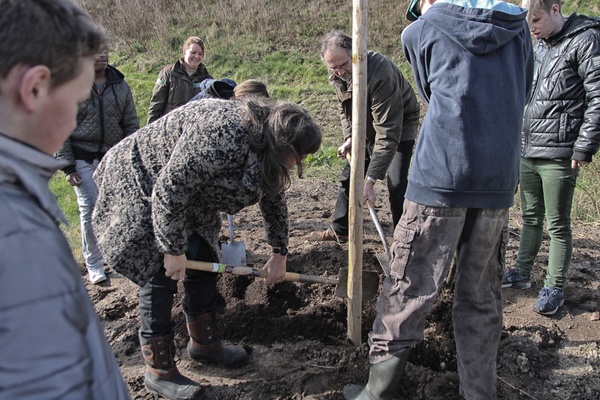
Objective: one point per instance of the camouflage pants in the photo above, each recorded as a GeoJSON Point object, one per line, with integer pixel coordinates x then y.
{"type": "Point", "coordinates": [425, 241]}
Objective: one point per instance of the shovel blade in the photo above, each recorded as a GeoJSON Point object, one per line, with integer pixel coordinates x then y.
{"type": "Point", "coordinates": [370, 284]}
{"type": "Point", "coordinates": [384, 262]}
{"type": "Point", "coordinates": [234, 253]}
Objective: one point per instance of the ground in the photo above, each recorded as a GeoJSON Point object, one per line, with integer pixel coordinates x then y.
{"type": "Point", "coordinates": [297, 332]}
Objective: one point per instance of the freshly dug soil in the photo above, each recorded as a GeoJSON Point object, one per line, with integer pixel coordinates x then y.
{"type": "Point", "coordinates": [297, 332]}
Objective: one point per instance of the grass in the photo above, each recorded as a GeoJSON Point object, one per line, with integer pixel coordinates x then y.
{"type": "Point", "coordinates": [276, 41]}
{"type": "Point", "coordinates": [68, 203]}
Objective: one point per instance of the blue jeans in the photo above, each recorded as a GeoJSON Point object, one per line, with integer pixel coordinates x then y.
{"type": "Point", "coordinates": [425, 241]}
{"type": "Point", "coordinates": [87, 195]}
{"type": "Point", "coordinates": [547, 188]}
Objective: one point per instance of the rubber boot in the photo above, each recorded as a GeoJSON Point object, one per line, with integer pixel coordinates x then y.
{"type": "Point", "coordinates": [162, 376]}
{"type": "Point", "coordinates": [384, 380]}
{"type": "Point", "coordinates": [204, 346]}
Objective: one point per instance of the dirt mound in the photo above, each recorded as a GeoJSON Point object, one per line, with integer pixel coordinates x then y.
{"type": "Point", "coordinates": [296, 332]}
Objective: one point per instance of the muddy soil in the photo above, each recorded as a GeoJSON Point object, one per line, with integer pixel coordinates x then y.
{"type": "Point", "coordinates": [297, 332]}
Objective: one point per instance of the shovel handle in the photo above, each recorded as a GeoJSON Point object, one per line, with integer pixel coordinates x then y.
{"type": "Point", "coordinates": [230, 224]}
{"type": "Point", "coordinates": [258, 273]}
{"type": "Point", "coordinates": [378, 225]}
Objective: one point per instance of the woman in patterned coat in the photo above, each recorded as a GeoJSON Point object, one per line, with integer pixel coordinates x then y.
{"type": "Point", "coordinates": [161, 194]}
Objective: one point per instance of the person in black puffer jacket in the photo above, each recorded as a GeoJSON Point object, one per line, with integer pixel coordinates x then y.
{"type": "Point", "coordinates": [103, 120]}
{"type": "Point", "coordinates": [561, 132]}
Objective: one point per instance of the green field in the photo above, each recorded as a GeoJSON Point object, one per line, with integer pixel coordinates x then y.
{"type": "Point", "coordinates": [276, 41]}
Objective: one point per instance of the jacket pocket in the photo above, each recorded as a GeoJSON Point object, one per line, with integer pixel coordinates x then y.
{"type": "Point", "coordinates": [401, 250]}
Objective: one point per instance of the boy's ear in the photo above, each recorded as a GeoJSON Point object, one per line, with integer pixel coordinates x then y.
{"type": "Point", "coordinates": [34, 86]}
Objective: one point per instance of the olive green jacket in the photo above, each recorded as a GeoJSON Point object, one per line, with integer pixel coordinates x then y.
{"type": "Point", "coordinates": [391, 105]}
{"type": "Point", "coordinates": [173, 88]}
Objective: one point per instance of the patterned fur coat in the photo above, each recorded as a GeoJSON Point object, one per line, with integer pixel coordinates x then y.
{"type": "Point", "coordinates": [174, 177]}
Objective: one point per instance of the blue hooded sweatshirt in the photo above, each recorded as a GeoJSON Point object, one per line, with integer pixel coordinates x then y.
{"type": "Point", "coordinates": [473, 65]}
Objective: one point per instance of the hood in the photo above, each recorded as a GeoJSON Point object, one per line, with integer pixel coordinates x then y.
{"type": "Point", "coordinates": [215, 89]}
{"type": "Point", "coordinates": [32, 169]}
{"type": "Point", "coordinates": [572, 26]}
{"type": "Point", "coordinates": [113, 75]}
{"type": "Point", "coordinates": [480, 27]}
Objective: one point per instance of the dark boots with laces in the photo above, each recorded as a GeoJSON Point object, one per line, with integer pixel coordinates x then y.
{"type": "Point", "coordinates": [162, 376]}
{"type": "Point", "coordinates": [205, 346]}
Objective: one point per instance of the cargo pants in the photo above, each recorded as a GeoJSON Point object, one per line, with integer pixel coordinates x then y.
{"type": "Point", "coordinates": [425, 241]}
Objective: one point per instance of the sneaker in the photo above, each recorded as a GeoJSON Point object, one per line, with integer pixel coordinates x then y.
{"type": "Point", "coordinates": [549, 301]}
{"type": "Point", "coordinates": [96, 275]}
{"type": "Point", "coordinates": [329, 235]}
{"type": "Point", "coordinates": [514, 279]}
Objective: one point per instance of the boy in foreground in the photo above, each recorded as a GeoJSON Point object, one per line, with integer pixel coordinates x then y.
{"type": "Point", "coordinates": [53, 345]}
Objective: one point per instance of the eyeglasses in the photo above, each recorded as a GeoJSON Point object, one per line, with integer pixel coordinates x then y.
{"type": "Point", "coordinates": [414, 10]}
{"type": "Point", "coordinates": [340, 67]}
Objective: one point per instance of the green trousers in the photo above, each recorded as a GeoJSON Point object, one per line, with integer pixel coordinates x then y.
{"type": "Point", "coordinates": [547, 188]}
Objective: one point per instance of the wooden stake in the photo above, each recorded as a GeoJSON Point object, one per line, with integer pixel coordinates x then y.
{"type": "Point", "coordinates": [355, 220]}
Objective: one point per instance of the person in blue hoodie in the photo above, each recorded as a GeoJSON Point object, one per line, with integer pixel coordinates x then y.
{"type": "Point", "coordinates": [473, 65]}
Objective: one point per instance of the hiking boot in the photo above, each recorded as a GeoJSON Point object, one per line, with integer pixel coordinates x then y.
{"type": "Point", "coordinates": [96, 275]}
{"type": "Point", "coordinates": [329, 235]}
{"type": "Point", "coordinates": [549, 301]}
{"type": "Point", "coordinates": [514, 279]}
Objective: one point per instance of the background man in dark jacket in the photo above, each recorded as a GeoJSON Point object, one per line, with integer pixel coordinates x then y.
{"type": "Point", "coordinates": [104, 119]}
{"type": "Point", "coordinates": [473, 63]}
{"type": "Point", "coordinates": [392, 122]}
{"type": "Point", "coordinates": [561, 132]}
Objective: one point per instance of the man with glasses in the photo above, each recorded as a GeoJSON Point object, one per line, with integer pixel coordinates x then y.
{"type": "Point", "coordinates": [392, 121]}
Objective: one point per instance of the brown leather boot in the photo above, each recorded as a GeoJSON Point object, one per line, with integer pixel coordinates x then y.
{"type": "Point", "coordinates": [204, 346]}
{"type": "Point", "coordinates": [162, 376]}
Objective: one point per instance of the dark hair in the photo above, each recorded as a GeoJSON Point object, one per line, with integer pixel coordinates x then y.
{"type": "Point", "coordinates": [278, 131]}
{"type": "Point", "coordinates": [54, 33]}
{"type": "Point", "coordinates": [336, 40]}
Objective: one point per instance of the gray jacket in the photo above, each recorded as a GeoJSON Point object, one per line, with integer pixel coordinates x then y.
{"type": "Point", "coordinates": [562, 118]}
{"type": "Point", "coordinates": [103, 120]}
{"type": "Point", "coordinates": [173, 178]}
{"type": "Point", "coordinates": [53, 345]}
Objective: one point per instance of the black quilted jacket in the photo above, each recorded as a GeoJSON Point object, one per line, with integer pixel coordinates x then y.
{"type": "Point", "coordinates": [104, 119]}
{"type": "Point", "coordinates": [562, 118]}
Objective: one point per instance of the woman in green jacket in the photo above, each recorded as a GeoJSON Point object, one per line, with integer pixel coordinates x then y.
{"type": "Point", "coordinates": [178, 83]}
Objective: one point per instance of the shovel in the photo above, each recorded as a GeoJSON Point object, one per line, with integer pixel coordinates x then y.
{"type": "Point", "coordinates": [370, 280]}
{"type": "Point", "coordinates": [233, 253]}
{"type": "Point", "coordinates": [384, 259]}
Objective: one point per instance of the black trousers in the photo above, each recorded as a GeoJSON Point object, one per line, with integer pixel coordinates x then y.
{"type": "Point", "coordinates": [397, 181]}
{"type": "Point", "coordinates": [199, 293]}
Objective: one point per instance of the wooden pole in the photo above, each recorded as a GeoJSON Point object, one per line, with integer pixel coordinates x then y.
{"type": "Point", "coordinates": [359, 107]}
